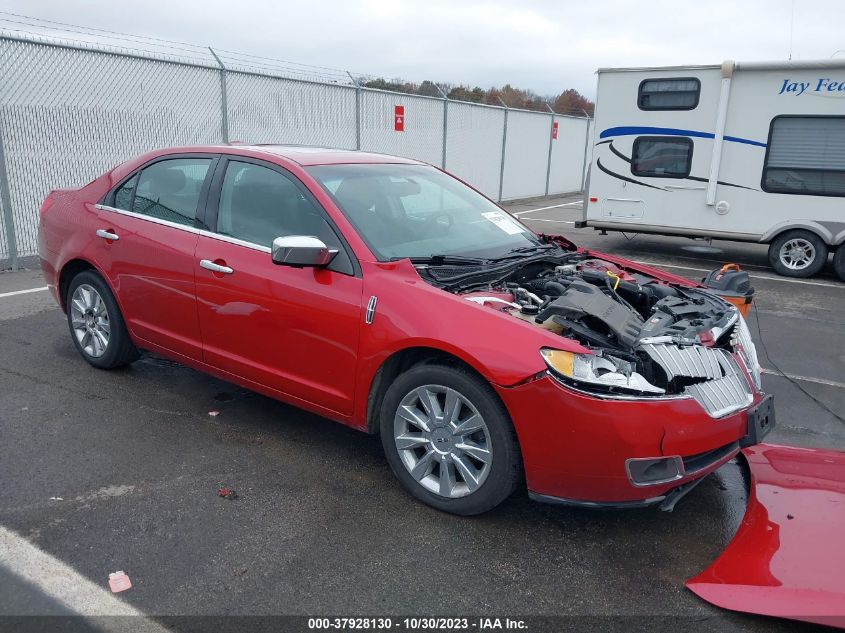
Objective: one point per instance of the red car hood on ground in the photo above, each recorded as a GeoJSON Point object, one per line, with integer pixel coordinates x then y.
{"type": "Point", "coordinates": [788, 557]}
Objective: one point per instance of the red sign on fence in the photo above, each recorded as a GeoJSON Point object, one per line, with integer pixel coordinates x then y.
{"type": "Point", "coordinates": [554, 131]}
{"type": "Point", "coordinates": [399, 118]}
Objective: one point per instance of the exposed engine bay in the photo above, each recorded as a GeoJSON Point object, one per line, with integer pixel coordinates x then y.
{"type": "Point", "coordinates": [647, 337]}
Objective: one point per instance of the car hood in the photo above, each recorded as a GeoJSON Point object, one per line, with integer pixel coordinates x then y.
{"type": "Point", "coordinates": [787, 559]}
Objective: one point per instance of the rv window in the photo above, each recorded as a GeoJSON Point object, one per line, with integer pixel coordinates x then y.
{"type": "Point", "coordinates": [669, 94]}
{"type": "Point", "coordinates": [806, 155]}
{"type": "Point", "coordinates": [661, 156]}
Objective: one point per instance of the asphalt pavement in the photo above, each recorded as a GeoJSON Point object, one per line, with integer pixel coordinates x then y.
{"type": "Point", "coordinates": [106, 471]}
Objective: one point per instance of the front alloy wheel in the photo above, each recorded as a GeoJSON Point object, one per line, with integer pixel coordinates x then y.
{"type": "Point", "coordinates": [449, 440]}
{"type": "Point", "coordinates": [443, 441]}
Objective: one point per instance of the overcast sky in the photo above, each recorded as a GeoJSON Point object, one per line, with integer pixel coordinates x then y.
{"type": "Point", "coordinates": [542, 45]}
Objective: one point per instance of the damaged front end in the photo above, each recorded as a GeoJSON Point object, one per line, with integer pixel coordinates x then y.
{"type": "Point", "coordinates": [646, 337]}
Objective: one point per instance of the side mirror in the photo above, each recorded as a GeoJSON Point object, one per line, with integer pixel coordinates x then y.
{"type": "Point", "coordinates": [301, 250]}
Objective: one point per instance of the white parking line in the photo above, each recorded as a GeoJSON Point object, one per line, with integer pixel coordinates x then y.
{"type": "Point", "coordinates": [718, 261]}
{"type": "Point", "coordinates": [552, 221]}
{"type": "Point", "coordinates": [22, 292]}
{"type": "Point", "coordinates": [554, 206]}
{"type": "Point", "coordinates": [64, 584]}
{"type": "Point", "coordinates": [754, 276]}
{"type": "Point", "coordinates": [818, 381]}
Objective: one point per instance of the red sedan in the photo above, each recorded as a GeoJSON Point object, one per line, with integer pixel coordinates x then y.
{"type": "Point", "coordinates": [388, 295]}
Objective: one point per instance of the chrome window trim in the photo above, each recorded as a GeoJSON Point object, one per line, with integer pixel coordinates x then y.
{"type": "Point", "coordinates": [235, 241]}
{"type": "Point", "coordinates": [148, 218]}
{"type": "Point", "coordinates": [183, 227]}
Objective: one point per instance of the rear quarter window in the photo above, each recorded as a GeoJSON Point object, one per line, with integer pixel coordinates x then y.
{"type": "Point", "coordinates": [124, 194]}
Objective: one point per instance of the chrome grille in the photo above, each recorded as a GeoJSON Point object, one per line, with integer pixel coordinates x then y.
{"type": "Point", "coordinates": [741, 340]}
{"type": "Point", "coordinates": [724, 389]}
{"type": "Point", "coordinates": [694, 361]}
{"type": "Point", "coordinates": [723, 396]}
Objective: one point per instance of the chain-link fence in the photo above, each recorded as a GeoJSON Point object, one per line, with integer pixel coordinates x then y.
{"type": "Point", "coordinates": [70, 112]}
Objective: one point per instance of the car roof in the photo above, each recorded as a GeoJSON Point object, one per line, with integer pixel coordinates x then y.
{"type": "Point", "coordinates": [304, 155]}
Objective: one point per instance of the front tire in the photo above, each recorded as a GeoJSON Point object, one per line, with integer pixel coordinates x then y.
{"type": "Point", "coordinates": [839, 262]}
{"type": "Point", "coordinates": [96, 324]}
{"type": "Point", "coordinates": [449, 440]}
{"type": "Point", "coordinates": [797, 253]}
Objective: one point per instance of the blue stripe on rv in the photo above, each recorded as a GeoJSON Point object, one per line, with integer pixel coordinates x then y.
{"type": "Point", "coordinates": [671, 131]}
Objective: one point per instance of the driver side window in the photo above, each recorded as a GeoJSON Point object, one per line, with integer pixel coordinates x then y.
{"type": "Point", "coordinates": [259, 204]}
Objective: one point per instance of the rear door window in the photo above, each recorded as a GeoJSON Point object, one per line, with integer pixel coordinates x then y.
{"type": "Point", "coordinates": [167, 190]}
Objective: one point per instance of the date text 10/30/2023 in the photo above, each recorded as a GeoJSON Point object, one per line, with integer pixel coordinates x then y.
{"type": "Point", "coordinates": [417, 624]}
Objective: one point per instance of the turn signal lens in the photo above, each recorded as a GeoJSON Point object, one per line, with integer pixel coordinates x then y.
{"type": "Point", "coordinates": [562, 362]}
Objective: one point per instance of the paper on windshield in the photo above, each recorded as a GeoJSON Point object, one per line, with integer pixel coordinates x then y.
{"type": "Point", "coordinates": [504, 222]}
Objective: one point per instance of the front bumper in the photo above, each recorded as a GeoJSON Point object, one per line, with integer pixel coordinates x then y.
{"type": "Point", "coordinates": [786, 558]}
{"type": "Point", "coordinates": [574, 446]}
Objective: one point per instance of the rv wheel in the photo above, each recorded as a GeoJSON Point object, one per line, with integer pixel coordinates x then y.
{"type": "Point", "coordinates": [839, 262]}
{"type": "Point", "coordinates": [797, 253]}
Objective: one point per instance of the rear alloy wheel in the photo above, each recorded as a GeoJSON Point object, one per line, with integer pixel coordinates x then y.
{"type": "Point", "coordinates": [797, 254]}
{"type": "Point", "coordinates": [96, 324]}
{"type": "Point", "coordinates": [89, 320]}
{"type": "Point", "coordinates": [839, 262]}
{"type": "Point", "coordinates": [449, 440]}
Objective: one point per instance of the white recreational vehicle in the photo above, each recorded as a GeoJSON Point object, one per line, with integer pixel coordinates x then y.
{"type": "Point", "coordinates": [742, 151]}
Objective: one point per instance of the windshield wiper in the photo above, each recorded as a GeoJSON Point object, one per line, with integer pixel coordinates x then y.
{"type": "Point", "coordinates": [526, 250]}
{"type": "Point", "coordinates": [465, 260]}
{"type": "Point", "coordinates": [445, 260]}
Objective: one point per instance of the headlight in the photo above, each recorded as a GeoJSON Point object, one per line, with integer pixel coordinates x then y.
{"type": "Point", "coordinates": [742, 343]}
{"type": "Point", "coordinates": [601, 372]}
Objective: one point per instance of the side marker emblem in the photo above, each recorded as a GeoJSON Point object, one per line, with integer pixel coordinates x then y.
{"type": "Point", "coordinates": [371, 310]}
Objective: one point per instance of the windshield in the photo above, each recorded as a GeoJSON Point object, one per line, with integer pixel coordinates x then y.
{"type": "Point", "coordinates": [418, 211]}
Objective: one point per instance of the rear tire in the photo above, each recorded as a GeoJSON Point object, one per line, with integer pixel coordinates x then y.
{"type": "Point", "coordinates": [839, 262]}
{"type": "Point", "coordinates": [96, 324]}
{"type": "Point", "coordinates": [797, 253]}
{"type": "Point", "coordinates": [449, 439]}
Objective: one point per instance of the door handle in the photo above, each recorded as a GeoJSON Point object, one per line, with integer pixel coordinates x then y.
{"type": "Point", "coordinates": [106, 235]}
{"type": "Point", "coordinates": [217, 268]}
